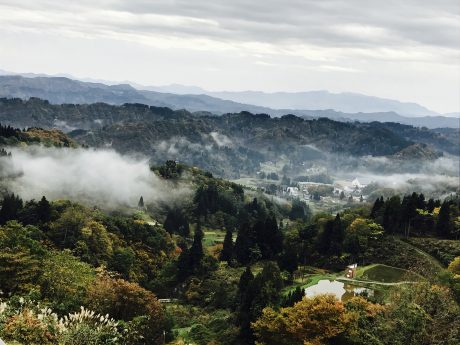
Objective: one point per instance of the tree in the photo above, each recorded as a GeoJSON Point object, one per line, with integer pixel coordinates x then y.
{"type": "Point", "coordinates": [176, 222]}
{"type": "Point", "coordinates": [65, 280]}
{"type": "Point", "coordinates": [338, 234]}
{"type": "Point", "coordinates": [342, 195]}
{"type": "Point", "coordinates": [391, 214]}
{"type": "Point", "coordinates": [44, 210]}
{"type": "Point", "coordinates": [190, 260]}
{"type": "Point", "coordinates": [288, 260]}
{"type": "Point", "coordinates": [310, 321]}
{"type": "Point", "coordinates": [331, 240]}
{"type": "Point", "coordinates": [11, 205]}
{"type": "Point", "coordinates": [18, 270]}
{"type": "Point", "coordinates": [443, 224]}
{"type": "Point", "coordinates": [170, 170]}
{"type": "Point", "coordinates": [254, 294]}
{"type": "Point", "coordinates": [20, 257]}
{"type": "Point", "coordinates": [66, 230]}
{"type": "Point", "coordinates": [243, 244]}
{"type": "Point", "coordinates": [378, 204]}
{"type": "Point", "coordinates": [140, 204]}
{"type": "Point", "coordinates": [408, 212]}
{"type": "Point", "coordinates": [358, 235]}
{"type": "Point", "coordinates": [454, 266]}
{"type": "Point", "coordinates": [227, 251]}
{"type": "Point", "coordinates": [130, 302]}
{"type": "Point", "coordinates": [293, 297]}
{"type": "Point", "coordinates": [96, 245]}
{"type": "Point", "coordinates": [299, 210]}
{"type": "Point", "coordinates": [245, 296]}
{"type": "Point", "coordinates": [196, 250]}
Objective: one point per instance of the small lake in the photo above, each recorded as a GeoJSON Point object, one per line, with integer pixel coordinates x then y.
{"type": "Point", "coordinates": [342, 291]}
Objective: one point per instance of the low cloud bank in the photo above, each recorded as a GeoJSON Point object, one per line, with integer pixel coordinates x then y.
{"type": "Point", "coordinates": [99, 177]}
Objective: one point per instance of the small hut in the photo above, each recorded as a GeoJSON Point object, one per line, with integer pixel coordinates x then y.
{"type": "Point", "coordinates": [351, 271]}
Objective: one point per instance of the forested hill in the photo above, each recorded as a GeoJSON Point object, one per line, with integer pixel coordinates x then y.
{"type": "Point", "coordinates": [233, 143]}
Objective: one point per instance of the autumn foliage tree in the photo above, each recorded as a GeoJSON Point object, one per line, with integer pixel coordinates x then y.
{"type": "Point", "coordinates": [130, 302]}
{"type": "Point", "coordinates": [310, 321]}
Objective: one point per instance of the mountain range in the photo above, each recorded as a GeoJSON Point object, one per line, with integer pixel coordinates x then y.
{"type": "Point", "coordinates": [230, 144]}
{"type": "Point", "coordinates": [60, 90]}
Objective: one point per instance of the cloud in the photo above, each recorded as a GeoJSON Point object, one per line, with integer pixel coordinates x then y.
{"type": "Point", "coordinates": [97, 177]}
{"type": "Point", "coordinates": [221, 139]}
{"type": "Point", "coordinates": [271, 45]}
{"type": "Point", "coordinates": [178, 145]}
{"type": "Point", "coordinates": [435, 178]}
{"type": "Point", "coordinates": [328, 23]}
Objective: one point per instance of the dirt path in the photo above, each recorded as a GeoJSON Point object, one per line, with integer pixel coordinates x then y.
{"type": "Point", "coordinates": [357, 281]}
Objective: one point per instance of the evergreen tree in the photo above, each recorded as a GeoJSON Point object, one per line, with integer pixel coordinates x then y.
{"type": "Point", "coordinates": [378, 204]}
{"type": "Point", "coordinates": [245, 296]}
{"type": "Point", "coordinates": [196, 250]}
{"type": "Point", "coordinates": [443, 225]}
{"type": "Point", "coordinates": [176, 222]}
{"type": "Point", "coordinates": [140, 204]}
{"type": "Point", "coordinates": [331, 240]}
{"type": "Point", "coordinates": [227, 251]}
{"type": "Point", "coordinates": [391, 214]}
{"type": "Point", "coordinates": [293, 297]}
{"type": "Point", "coordinates": [408, 212]}
{"type": "Point", "coordinates": [274, 238]}
{"type": "Point", "coordinates": [243, 244]}
{"type": "Point", "coordinates": [338, 234]}
{"type": "Point", "coordinates": [299, 210]}
{"type": "Point", "coordinates": [430, 205]}
{"type": "Point", "coordinates": [342, 195]}
{"type": "Point", "coordinates": [288, 260]}
{"type": "Point", "coordinates": [11, 205]}
{"type": "Point", "coordinates": [44, 210]}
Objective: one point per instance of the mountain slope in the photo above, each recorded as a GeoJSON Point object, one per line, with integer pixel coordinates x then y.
{"type": "Point", "coordinates": [60, 90]}
{"type": "Point", "coordinates": [229, 144]}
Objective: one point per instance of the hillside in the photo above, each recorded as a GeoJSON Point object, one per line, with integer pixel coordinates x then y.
{"type": "Point", "coordinates": [60, 90]}
{"type": "Point", "coordinates": [232, 143]}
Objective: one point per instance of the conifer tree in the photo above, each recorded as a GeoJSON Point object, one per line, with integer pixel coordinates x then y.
{"type": "Point", "coordinates": [227, 250]}
{"type": "Point", "coordinates": [442, 227]}
{"type": "Point", "coordinates": [44, 210]}
{"type": "Point", "coordinates": [11, 205]}
{"type": "Point", "coordinates": [140, 204]}
{"type": "Point", "coordinates": [196, 250]}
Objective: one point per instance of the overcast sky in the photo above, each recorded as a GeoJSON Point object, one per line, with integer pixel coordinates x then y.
{"type": "Point", "coordinates": [402, 49]}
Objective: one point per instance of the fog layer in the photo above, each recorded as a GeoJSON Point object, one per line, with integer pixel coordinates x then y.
{"type": "Point", "coordinates": [99, 177]}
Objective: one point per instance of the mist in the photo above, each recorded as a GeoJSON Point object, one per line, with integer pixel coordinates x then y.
{"type": "Point", "coordinates": [97, 177]}
{"type": "Point", "coordinates": [438, 177]}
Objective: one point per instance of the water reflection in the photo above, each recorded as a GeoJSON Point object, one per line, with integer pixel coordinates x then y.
{"type": "Point", "coordinates": [342, 291]}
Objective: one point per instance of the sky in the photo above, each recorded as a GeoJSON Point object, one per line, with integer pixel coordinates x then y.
{"type": "Point", "coordinates": [406, 50]}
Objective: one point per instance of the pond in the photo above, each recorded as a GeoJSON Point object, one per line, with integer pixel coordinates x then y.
{"type": "Point", "coordinates": [342, 291]}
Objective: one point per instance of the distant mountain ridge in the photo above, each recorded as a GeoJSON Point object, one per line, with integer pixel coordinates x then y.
{"type": "Point", "coordinates": [60, 90]}
{"type": "Point", "coordinates": [346, 102]}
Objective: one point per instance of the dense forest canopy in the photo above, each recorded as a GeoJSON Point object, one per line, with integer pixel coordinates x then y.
{"type": "Point", "coordinates": [161, 274]}
{"type": "Point", "coordinates": [165, 250]}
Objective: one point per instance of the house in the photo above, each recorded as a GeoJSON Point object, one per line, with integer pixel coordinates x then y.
{"type": "Point", "coordinates": [351, 271]}
{"type": "Point", "coordinates": [292, 191]}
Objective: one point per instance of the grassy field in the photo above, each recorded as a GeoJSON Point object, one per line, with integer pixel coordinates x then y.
{"type": "Point", "coordinates": [367, 276]}
{"type": "Point", "coordinates": [213, 237]}
{"type": "Point", "coordinates": [385, 274]}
